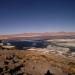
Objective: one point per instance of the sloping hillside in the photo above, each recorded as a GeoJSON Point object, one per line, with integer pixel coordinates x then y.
{"type": "Point", "coordinates": [32, 62]}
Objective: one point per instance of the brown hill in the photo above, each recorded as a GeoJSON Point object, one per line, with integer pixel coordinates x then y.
{"type": "Point", "coordinates": [45, 35]}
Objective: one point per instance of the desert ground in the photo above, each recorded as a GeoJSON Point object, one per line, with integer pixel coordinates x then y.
{"type": "Point", "coordinates": [58, 58]}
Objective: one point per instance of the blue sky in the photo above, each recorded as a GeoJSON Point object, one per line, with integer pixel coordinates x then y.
{"type": "Point", "coordinates": [20, 16]}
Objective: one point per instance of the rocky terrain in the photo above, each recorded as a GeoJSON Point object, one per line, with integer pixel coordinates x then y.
{"type": "Point", "coordinates": [35, 62]}
{"type": "Point", "coordinates": [58, 58]}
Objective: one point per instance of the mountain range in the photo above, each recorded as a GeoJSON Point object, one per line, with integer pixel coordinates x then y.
{"type": "Point", "coordinates": [44, 35]}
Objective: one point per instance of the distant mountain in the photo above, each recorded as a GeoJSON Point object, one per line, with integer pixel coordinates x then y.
{"type": "Point", "coordinates": [45, 35]}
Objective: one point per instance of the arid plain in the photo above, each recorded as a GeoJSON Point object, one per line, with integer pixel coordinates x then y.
{"type": "Point", "coordinates": [57, 58]}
